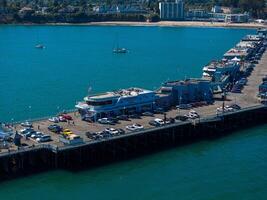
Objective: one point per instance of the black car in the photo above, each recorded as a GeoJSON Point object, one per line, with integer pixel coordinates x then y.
{"type": "Point", "coordinates": [235, 106]}
{"type": "Point", "coordinates": [121, 131]}
{"type": "Point", "coordinates": [181, 117]}
{"type": "Point", "coordinates": [170, 120]}
{"type": "Point", "coordinates": [153, 123]}
{"type": "Point", "coordinates": [91, 135]}
{"type": "Point", "coordinates": [150, 114]}
{"type": "Point", "coordinates": [55, 128]}
{"type": "Point", "coordinates": [113, 120]}
{"type": "Point", "coordinates": [123, 117]}
{"type": "Point", "coordinates": [135, 116]}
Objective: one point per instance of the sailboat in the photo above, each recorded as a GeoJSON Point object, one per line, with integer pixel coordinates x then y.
{"type": "Point", "coordinates": [118, 49]}
{"type": "Point", "coordinates": [39, 46]}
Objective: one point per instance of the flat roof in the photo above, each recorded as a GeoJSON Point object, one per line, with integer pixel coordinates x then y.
{"type": "Point", "coordinates": [184, 82]}
{"type": "Point", "coordinates": [119, 93]}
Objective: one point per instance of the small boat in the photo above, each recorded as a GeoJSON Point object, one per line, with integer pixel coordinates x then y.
{"type": "Point", "coordinates": [39, 46]}
{"type": "Point", "coordinates": [120, 50]}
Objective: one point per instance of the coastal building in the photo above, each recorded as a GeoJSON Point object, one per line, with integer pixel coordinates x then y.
{"type": "Point", "coordinates": [196, 14]}
{"type": "Point", "coordinates": [25, 11]}
{"type": "Point", "coordinates": [237, 52]}
{"type": "Point", "coordinates": [115, 9]}
{"type": "Point", "coordinates": [170, 10]}
{"type": "Point", "coordinates": [217, 69]}
{"type": "Point", "coordinates": [216, 9]}
{"type": "Point", "coordinates": [187, 91]}
{"type": "Point", "coordinates": [221, 73]}
{"type": "Point", "coordinates": [123, 101]}
{"type": "Point", "coordinates": [229, 18]}
{"type": "Point", "coordinates": [237, 18]}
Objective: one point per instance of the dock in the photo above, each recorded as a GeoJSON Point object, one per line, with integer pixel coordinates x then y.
{"type": "Point", "coordinates": [35, 157]}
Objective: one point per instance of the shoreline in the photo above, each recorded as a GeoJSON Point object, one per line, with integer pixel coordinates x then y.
{"type": "Point", "coordinates": [159, 24]}
{"type": "Point", "coordinates": [181, 24]}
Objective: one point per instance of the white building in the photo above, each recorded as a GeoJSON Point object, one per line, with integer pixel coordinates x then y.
{"type": "Point", "coordinates": [172, 10]}
{"type": "Point", "coordinates": [123, 101]}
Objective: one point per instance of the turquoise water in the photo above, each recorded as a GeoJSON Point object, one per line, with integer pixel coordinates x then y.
{"type": "Point", "coordinates": [77, 57]}
{"type": "Point", "coordinates": [230, 168]}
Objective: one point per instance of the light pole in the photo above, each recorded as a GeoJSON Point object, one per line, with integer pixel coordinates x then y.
{"type": "Point", "coordinates": [180, 100]}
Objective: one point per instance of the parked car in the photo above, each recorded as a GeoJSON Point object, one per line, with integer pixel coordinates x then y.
{"type": "Point", "coordinates": [104, 121]}
{"type": "Point", "coordinates": [25, 130]}
{"type": "Point", "coordinates": [235, 106]}
{"type": "Point", "coordinates": [44, 138]}
{"type": "Point", "coordinates": [112, 131]}
{"type": "Point", "coordinates": [135, 116]}
{"type": "Point", "coordinates": [92, 135]}
{"type": "Point", "coordinates": [226, 109]}
{"type": "Point", "coordinates": [54, 119]}
{"type": "Point", "coordinates": [181, 117]}
{"type": "Point", "coordinates": [66, 116]}
{"type": "Point", "coordinates": [157, 122]}
{"type": "Point", "coordinates": [193, 112]}
{"type": "Point", "coordinates": [134, 127]}
{"type": "Point", "coordinates": [87, 118]}
{"type": "Point", "coordinates": [55, 128]}
{"type": "Point", "coordinates": [36, 135]}
{"type": "Point", "coordinates": [62, 119]}
{"type": "Point", "coordinates": [121, 131]}
{"type": "Point", "coordinates": [26, 124]}
{"type": "Point", "coordinates": [170, 120]}
{"type": "Point", "coordinates": [149, 114]}
{"type": "Point", "coordinates": [113, 120]}
{"type": "Point", "coordinates": [123, 117]}
{"type": "Point", "coordinates": [184, 106]}
{"type": "Point", "coordinates": [67, 132]}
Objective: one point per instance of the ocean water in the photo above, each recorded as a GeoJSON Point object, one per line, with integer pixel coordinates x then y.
{"type": "Point", "coordinates": [229, 168]}
{"type": "Point", "coordinates": [36, 83]}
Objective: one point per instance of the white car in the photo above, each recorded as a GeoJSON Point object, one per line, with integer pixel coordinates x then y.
{"type": "Point", "coordinates": [103, 121]}
{"type": "Point", "coordinates": [159, 121]}
{"type": "Point", "coordinates": [44, 138]}
{"type": "Point", "coordinates": [62, 119]}
{"type": "Point", "coordinates": [112, 131]}
{"type": "Point", "coordinates": [25, 130]}
{"type": "Point", "coordinates": [54, 119]}
{"type": "Point", "coordinates": [36, 135]}
{"type": "Point", "coordinates": [226, 109]}
{"type": "Point", "coordinates": [230, 109]}
{"type": "Point", "coordinates": [192, 114]}
{"type": "Point", "coordinates": [134, 127]}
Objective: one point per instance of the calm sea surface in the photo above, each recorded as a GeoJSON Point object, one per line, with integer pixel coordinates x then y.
{"type": "Point", "coordinates": [36, 83]}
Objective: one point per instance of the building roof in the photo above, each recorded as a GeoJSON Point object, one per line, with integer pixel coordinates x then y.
{"type": "Point", "coordinates": [129, 92]}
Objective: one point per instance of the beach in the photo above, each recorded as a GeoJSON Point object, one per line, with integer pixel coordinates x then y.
{"type": "Point", "coordinates": [176, 24]}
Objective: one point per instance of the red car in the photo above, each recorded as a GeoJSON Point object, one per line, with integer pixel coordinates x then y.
{"type": "Point", "coordinates": [67, 117]}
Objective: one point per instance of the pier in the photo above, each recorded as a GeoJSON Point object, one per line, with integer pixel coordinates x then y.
{"type": "Point", "coordinates": [34, 157]}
